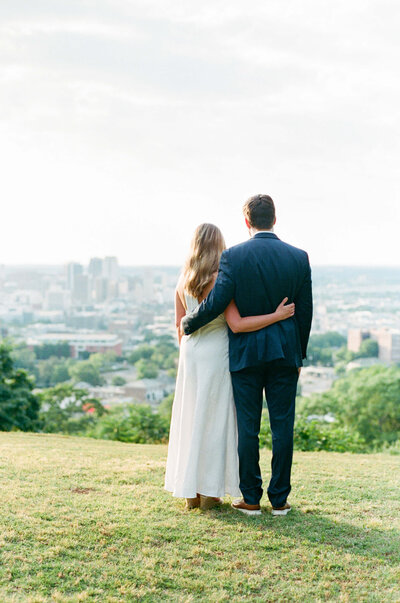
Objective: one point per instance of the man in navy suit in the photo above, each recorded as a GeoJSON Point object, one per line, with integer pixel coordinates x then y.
{"type": "Point", "coordinates": [258, 274]}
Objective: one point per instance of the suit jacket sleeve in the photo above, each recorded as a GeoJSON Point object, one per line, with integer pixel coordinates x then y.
{"type": "Point", "coordinates": [304, 309]}
{"type": "Point", "coordinates": [216, 301]}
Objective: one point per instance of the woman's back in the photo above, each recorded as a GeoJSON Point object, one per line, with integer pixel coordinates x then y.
{"type": "Point", "coordinates": [218, 323]}
{"type": "Point", "coordinates": [202, 453]}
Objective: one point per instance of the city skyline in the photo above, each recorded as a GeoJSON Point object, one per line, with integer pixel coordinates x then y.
{"type": "Point", "coordinates": [126, 124]}
{"type": "Point", "coordinates": [85, 263]}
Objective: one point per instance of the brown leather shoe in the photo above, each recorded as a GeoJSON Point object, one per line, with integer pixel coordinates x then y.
{"type": "Point", "coordinates": [241, 505]}
{"type": "Point", "coordinates": [281, 510]}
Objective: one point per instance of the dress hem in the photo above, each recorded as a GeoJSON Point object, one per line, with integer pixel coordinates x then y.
{"type": "Point", "coordinates": [219, 493]}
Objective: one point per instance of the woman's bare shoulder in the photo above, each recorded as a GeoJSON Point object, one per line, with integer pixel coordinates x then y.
{"type": "Point", "coordinates": [179, 284]}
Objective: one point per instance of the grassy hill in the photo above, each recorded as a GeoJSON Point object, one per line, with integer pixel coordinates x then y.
{"type": "Point", "coordinates": [88, 520]}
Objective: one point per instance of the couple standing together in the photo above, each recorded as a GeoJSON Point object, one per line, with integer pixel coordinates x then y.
{"type": "Point", "coordinates": [243, 331]}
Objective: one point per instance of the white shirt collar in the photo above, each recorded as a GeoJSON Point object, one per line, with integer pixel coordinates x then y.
{"type": "Point", "coordinates": [254, 232]}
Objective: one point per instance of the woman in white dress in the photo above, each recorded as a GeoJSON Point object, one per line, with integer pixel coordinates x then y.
{"type": "Point", "coordinates": [202, 463]}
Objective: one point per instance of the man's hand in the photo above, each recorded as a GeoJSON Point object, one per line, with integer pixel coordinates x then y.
{"type": "Point", "coordinates": [299, 369]}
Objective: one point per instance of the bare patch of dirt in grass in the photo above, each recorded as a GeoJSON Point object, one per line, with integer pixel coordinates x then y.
{"type": "Point", "coordinates": [78, 490]}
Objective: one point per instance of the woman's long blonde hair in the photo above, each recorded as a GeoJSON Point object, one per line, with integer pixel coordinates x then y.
{"type": "Point", "coordinates": [203, 259]}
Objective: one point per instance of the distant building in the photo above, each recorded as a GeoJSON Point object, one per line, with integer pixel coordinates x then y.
{"type": "Point", "coordinates": [389, 345]}
{"type": "Point", "coordinates": [100, 289]}
{"type": "Point", "coordinates": [112, 289]}
{"type": "Point", "coordinates": [150, 391]}
{"type": "Point", "coordinates": [148, 285]}
{"type": "Point", "coordinates": [110, 268]}
{"type": "Point", "coordinates": [123, 288]}
{"type": "Point", "coordinates": [85, 319]}
{"type": "Point", "coordinates": [316, 379]}
{"type": "Point", "coordinates": [81, 342]}
{"type": "Point", "coordinates": [56, 299]}
{"type": "Point", "coordinates": [80, 290]}
{"type": "Point", "coordinates": [355, 337]}
{"type": "Point", "coordinates": [73, 270]}
{"type": "Point", "coordinates": [388, 342]}
{"type": "Point", "coordinates": [95, 267]}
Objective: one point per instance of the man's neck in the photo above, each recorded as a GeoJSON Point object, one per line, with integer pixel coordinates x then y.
{"type": "Point", "coordinates": [253, 231]}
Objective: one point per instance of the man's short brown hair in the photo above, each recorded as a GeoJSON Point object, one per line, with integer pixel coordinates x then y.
{"type": "Point", "coordinates": [260, 212]}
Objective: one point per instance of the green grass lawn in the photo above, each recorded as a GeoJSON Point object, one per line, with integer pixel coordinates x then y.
{"type": "Point", "coordinates": [88, 520]}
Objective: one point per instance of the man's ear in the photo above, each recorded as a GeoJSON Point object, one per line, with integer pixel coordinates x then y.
{"type": "Point", "coordinates": [247, 223]}
{"type": "Point", "coordinates": [274, 221]}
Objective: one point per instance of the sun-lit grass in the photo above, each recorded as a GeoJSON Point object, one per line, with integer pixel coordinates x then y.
{"type": "Point", "coordinates": [88, 520]}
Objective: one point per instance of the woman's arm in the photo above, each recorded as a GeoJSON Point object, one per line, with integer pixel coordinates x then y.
{"type": "Point", "coordinates": [237, 324]}
{"type": "Point", "coordinates": [180, 312]}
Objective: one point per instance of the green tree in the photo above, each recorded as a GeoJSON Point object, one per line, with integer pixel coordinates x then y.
{"type": "Point", "coordinates": [369, 349]}
{"type": "Point", "coordinates": [146, 369]}
{"type": "Point", "coordinates": [165, 356]}
{"type": "Point", "coordinates": [317, 435]}
{"type": "Point", "coordinates": [366, 400]}
{"type": "Point", "coordinates": [343, 355]}
{"type": "Point", "coordinates": [161, 356]}
{"type": "Point", "coordinates": [66, 409]}
{"type": "Point", "coordinates": [132, 423]}
{"type": "Point", "coordinates": [322, 347]}
{"type": "Point", "coordinates": [24, 357]}
{"type": "Point", "coordinates": [87, 372]}
{"type": "Point", "coordinates": [52, 371]}
{"type": "Point", "coordinates": [102, 361]}
{"type": "Point", "coordinates": [60, 373]}
{"type": "Point", "coordinates": [46, 350]}
{"type": "Point", "coordinates": [369, 401]}
{"type": "Point", "coordinates": [118, 380]}
{"type": "Point", "coordinates": [19, 407]}
{"type": "Point", "coordinates": [142, 351]}
{"type": "Point", "coordinates": [314, 435]}
{"type": "Point", "coordinates": [165, 408]}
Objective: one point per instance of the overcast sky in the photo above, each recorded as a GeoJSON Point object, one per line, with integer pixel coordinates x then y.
{"type": "Point", "coordinates": [125, 123]}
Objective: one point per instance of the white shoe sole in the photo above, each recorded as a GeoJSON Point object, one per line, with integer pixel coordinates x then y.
{"type": "Point", "coordinates": [275, 512]}
{"type": "Point", "coordinates": [247, 511]}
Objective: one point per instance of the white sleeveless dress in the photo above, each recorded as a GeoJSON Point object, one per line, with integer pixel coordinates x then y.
{"type": "Point", "coordinates": [202, 451]}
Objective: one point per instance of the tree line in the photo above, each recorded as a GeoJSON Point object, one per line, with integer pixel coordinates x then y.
{"type": "Point", "coordinates": [360, 413]}
{"type": "Point", "coordinates": [51, 364]}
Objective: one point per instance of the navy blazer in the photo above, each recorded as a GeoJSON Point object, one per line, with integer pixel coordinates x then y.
{"type": "Point", "coordinates": [258, 274]}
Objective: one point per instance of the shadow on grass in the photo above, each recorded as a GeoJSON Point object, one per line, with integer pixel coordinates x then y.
{"type": "Point", "coordinates": [376, 543]}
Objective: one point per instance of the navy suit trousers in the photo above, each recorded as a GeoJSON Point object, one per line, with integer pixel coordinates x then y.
{"type": "Point", "coordinates": [280, 384]}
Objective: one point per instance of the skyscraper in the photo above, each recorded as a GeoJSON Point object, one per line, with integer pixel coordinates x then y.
{"type": "Point", "coordinates": [95, 267]}
{"type": "Point", "coordinates": [110, 268]}
{"type": "Point", "coordinates": [73, 271]}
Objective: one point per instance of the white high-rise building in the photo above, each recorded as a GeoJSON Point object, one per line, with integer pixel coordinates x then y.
{"type": "Point", "coordinates": [100, 289]}
{"type": "Point", "coordinates": [110, 268]}
{"type": "Point", "coordinates": [95, 267]}
{"type": "Point", "coordinates": [73, 271]}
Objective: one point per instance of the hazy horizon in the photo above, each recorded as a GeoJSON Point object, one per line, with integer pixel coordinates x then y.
{"type": "Point", "coordinates": [178, 266]}
{"type": "Point", "coordinates": [124, 124]}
